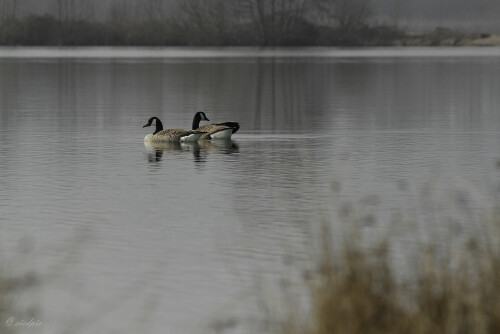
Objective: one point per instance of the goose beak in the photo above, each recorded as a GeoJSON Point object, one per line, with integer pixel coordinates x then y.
{"type": "Point", "coordinates": [206, 119]}
{"type": "Point", "coordinates": [146, 125]}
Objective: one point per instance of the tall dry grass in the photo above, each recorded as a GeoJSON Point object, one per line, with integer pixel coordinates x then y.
{"type": "Point", "coordinates": [12, 289]}
{"type": "Point", "coordinates": [355, 290]}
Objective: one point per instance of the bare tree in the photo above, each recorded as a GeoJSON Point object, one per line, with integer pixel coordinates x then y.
{"type": "Point", "coordinates": [274, 18]}
{"type": "Point", "coordinates": [119, 11]}
{"type": "Point", "coordinates": [347, 14]}
{"type": "Point", "coordinates": [152, 10]}
{"type": "Point", "coordinates": [9, 8]}
{"type": "Point", "coordinates": [69, 12]}
{"type": "Point", "coordinates": [396, 12]}
{"type": "Point", "coordinates": [208, 20]}
{"type": "Point", "coordinates": [72, 10]}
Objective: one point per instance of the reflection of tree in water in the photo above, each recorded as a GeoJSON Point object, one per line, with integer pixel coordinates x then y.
{"type": "Point", "coordinates": [200, 150]}
{"type": "Point", "coordinates": [287, 97]}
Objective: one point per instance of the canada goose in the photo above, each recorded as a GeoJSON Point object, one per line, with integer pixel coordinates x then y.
{"type": "Point", "coordinates": [168, 135]}
{"type": "Point", "coordinates": [222, 130]}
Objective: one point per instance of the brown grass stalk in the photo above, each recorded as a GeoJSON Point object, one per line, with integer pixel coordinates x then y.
{"type": "Point", "coordinates": [357, 291]}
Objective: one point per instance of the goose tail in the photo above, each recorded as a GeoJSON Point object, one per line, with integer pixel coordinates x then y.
{"type": "Point", "coordinates": [234, 125]}
{"type": "Point", "coordinates": [222, 134]}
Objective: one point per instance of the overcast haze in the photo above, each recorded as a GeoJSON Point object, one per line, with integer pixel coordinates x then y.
{"type": "Point", "coordinates": [477, 15]}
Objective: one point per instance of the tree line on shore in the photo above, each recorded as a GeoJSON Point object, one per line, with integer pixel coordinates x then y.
{"type": "Point", "coordinates": [203, 23]}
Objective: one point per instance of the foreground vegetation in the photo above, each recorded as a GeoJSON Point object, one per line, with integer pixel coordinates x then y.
{"type": "Point", "coordinates": [355, 289]}
{"type": "Point", "coordinates": [359, 291]}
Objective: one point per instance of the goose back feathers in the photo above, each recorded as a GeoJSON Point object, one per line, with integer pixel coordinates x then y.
{"type": "Point", "coordinates": [223, 130]}
{"type": "Point", "coordinates": [170, 135]}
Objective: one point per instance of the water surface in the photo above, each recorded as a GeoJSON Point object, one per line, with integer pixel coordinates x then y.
{"type": "Point", "coordinates": [194, 238]}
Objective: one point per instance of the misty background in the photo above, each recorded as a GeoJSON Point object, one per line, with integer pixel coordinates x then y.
{"type": "Point", "coordinates": [412, 15]}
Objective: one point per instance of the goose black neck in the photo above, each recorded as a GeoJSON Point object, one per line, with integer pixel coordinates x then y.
{"type": "Point", "coordinates": [196, 121]}
{"type": "Point", "coordinates": [159, 126]}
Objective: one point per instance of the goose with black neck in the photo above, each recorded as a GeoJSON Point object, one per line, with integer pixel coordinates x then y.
{"type": "Point", "coordinates": [170, 135]}
{"type": "Point", "coordinates": [223, 130]}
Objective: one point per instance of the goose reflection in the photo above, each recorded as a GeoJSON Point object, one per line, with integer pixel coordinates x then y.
{"type": "Point", "coordinates": [158, 149]}
{"type": "Point", "coordinates": [220, 146]}
{"type": "Point", "coordinates": [200, 150]}
{"type": "Point", "coordinates": [155, 156]}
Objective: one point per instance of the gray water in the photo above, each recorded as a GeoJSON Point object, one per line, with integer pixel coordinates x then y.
{"type": "Point", "coordinates": [200, 238]}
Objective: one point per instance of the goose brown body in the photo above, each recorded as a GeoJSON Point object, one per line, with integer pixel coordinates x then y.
{"type": "Point", "coordinates": [170, 135]}
{"type": "Point", "coordinates": [222, 130]}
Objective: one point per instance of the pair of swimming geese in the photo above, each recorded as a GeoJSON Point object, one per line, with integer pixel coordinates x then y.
{"type": "Point", "coordinates": [222, 130]}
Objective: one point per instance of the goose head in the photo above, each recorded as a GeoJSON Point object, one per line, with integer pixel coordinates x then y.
{"type": "Point", "coordinates": [199, 116]}
{"type": "Point", "coordinates": [154, 121]}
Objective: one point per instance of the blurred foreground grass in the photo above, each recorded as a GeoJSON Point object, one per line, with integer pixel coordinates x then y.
{"type": "Point", "coordinates": [16, 309]}
{"type": "Point", "coordinates": [354, 290]}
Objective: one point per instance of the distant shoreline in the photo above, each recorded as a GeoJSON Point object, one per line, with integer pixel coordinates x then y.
{"type": "Point", "coordinates": [448, 37]}
{"type": "Point", "coordinates": [47, 31]}
{"type": "Point", "coordinates": [408, 41]}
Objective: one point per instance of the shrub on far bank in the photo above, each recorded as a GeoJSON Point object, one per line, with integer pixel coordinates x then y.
{"type": "Point", "coordinates": [378, 35]}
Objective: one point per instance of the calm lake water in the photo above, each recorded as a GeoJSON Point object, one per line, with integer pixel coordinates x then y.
{"type": "Point", "coordinates": [201, 238]}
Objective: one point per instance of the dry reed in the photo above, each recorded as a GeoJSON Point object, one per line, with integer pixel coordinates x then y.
{"type": "Point", "coordinates": [358, 291]}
